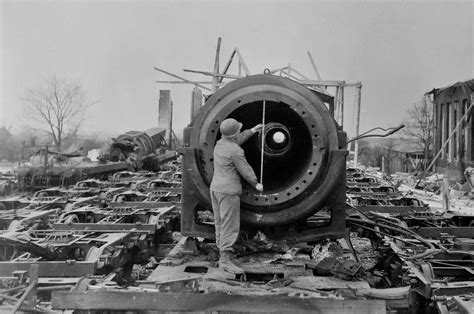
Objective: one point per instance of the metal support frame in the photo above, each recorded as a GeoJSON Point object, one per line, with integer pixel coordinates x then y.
{"type": "Point", "coordinates": [288, 71]}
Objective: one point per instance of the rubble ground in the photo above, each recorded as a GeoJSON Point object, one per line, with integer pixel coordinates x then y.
{"type": "Point", "coordinates": [123, 235]}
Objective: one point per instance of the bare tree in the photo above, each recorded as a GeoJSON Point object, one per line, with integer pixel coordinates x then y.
{"type": "Point", "coordinates": [58, 106]}
{"type": "Point", "coordinates": [419, 126]}
{"type": "Point", "coordinates": [370, 154]}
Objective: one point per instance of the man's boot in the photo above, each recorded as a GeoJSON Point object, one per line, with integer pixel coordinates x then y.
{"type": "Point", "coordinates": [225, 263]}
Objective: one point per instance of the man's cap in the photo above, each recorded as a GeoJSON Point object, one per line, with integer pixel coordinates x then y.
{"type": "Point", "coordinates": [230, 127]}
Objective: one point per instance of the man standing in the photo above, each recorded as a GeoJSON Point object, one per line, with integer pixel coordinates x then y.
{"type": "Point", "coordinates": [229, 165]}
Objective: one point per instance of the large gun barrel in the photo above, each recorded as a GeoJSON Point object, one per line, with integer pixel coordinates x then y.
{"type": "Point", "coordinates": [304, 155]}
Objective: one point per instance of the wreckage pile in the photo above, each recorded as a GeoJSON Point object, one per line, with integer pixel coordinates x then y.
{"type": "Point", "coordinates": [107, 240]}
{"type": "Point", "coordinates": [108, 230]}
{"type": "Point", "coordinates": [132, 150]}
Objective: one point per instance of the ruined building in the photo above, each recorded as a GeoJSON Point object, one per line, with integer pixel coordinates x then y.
{"type": "Point", "coordinates": [453, 127]}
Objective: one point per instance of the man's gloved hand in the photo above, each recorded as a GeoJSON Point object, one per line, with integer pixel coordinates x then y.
{"type": "Point", "coordinates": [256, 128]}
{"type": "Point", "coordinates": [259, 187]}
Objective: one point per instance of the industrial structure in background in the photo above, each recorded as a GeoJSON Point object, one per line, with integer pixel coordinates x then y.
{"type": "Point", "coordinates": [453, 128]}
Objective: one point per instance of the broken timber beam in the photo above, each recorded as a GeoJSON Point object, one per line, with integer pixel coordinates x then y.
{"type": "Point", "coordinates": [181, 78]}
{"type": "Point", "coordinates": [242, 62]}
{"type": "Point", "coordinates": [30, 291]}
{"type": "Point", "coordinates": [314, 66]}
{"type": "Point", "coordinates": [435, 232]}
{"type": "Point", "coordinates": [213, 74]}
{"type": "Point", "coordinates": [227, 65]}
{"type": "Point", "coordinates": [215, 79]}
{"type": "Point", "coordinates": [143, 301]}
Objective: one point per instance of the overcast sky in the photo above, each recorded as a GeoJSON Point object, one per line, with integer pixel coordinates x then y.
{"type": "Point", "coordinates": [398, 49]}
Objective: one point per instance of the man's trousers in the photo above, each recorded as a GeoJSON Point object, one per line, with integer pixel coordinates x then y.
{"type": "Point", "coordinates": [226, 210]}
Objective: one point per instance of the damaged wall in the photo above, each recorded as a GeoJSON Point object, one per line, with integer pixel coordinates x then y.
{"type": "Point", "coordinates": [449, 106]}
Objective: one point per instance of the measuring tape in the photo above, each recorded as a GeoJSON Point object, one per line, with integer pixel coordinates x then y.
{"type": "Point", "coordinates": [263, 144]}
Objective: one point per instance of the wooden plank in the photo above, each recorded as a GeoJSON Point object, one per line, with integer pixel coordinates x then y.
{"type": "Point", "coordinates": [453, 289]}
{"type": "Point", "coordinates": [215, 79]}
{"type": "Point", "coordinates": [175, 272]}
{"type": "Point", "coordinates": [242, 62]}
{"type": "Point", "coordinates": [167, 189]}
{"type": "Point", "coordinates": [30, 291]}
{"type": "Point", "coordinates": [314, 66]}
{"type": "Point", "coordinates": [291, 76]}
{"type": "Point", "coordinates": [299, 73]}
{"type": "Point", "coordinates": [49, 281]}
{"type": "Point", "coordinates": [213, 74]}
{"type": "Point", "coordinates": [327, 283]}
{"type": "Point", "coordinates": [181, 78]}
{"type": "Point", "coordinates": [387, 293]}
{"type": "Point", "coordinates": [113, 300]}
{"type": "Point", "coordinates": [393, 210]}
{"type": "Point", "coordinates": [227, 65]}
{"type": "Point", "coordinates": [330, 83]}
{"type": "Point", "coordinates": [323, 83]}
{"type": "Point", "coordinates": [110, 227]}
{"type": "Point", "coordinates": [435, 232]}
{"type": "Point", "coordinates": [145, 205]}
{"type": "Point", "coordinates": [278, 70]}
{"type": "Point", "coordinates": [51, 268]}
{"type": "Point", "coordinates": [183, 82]}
